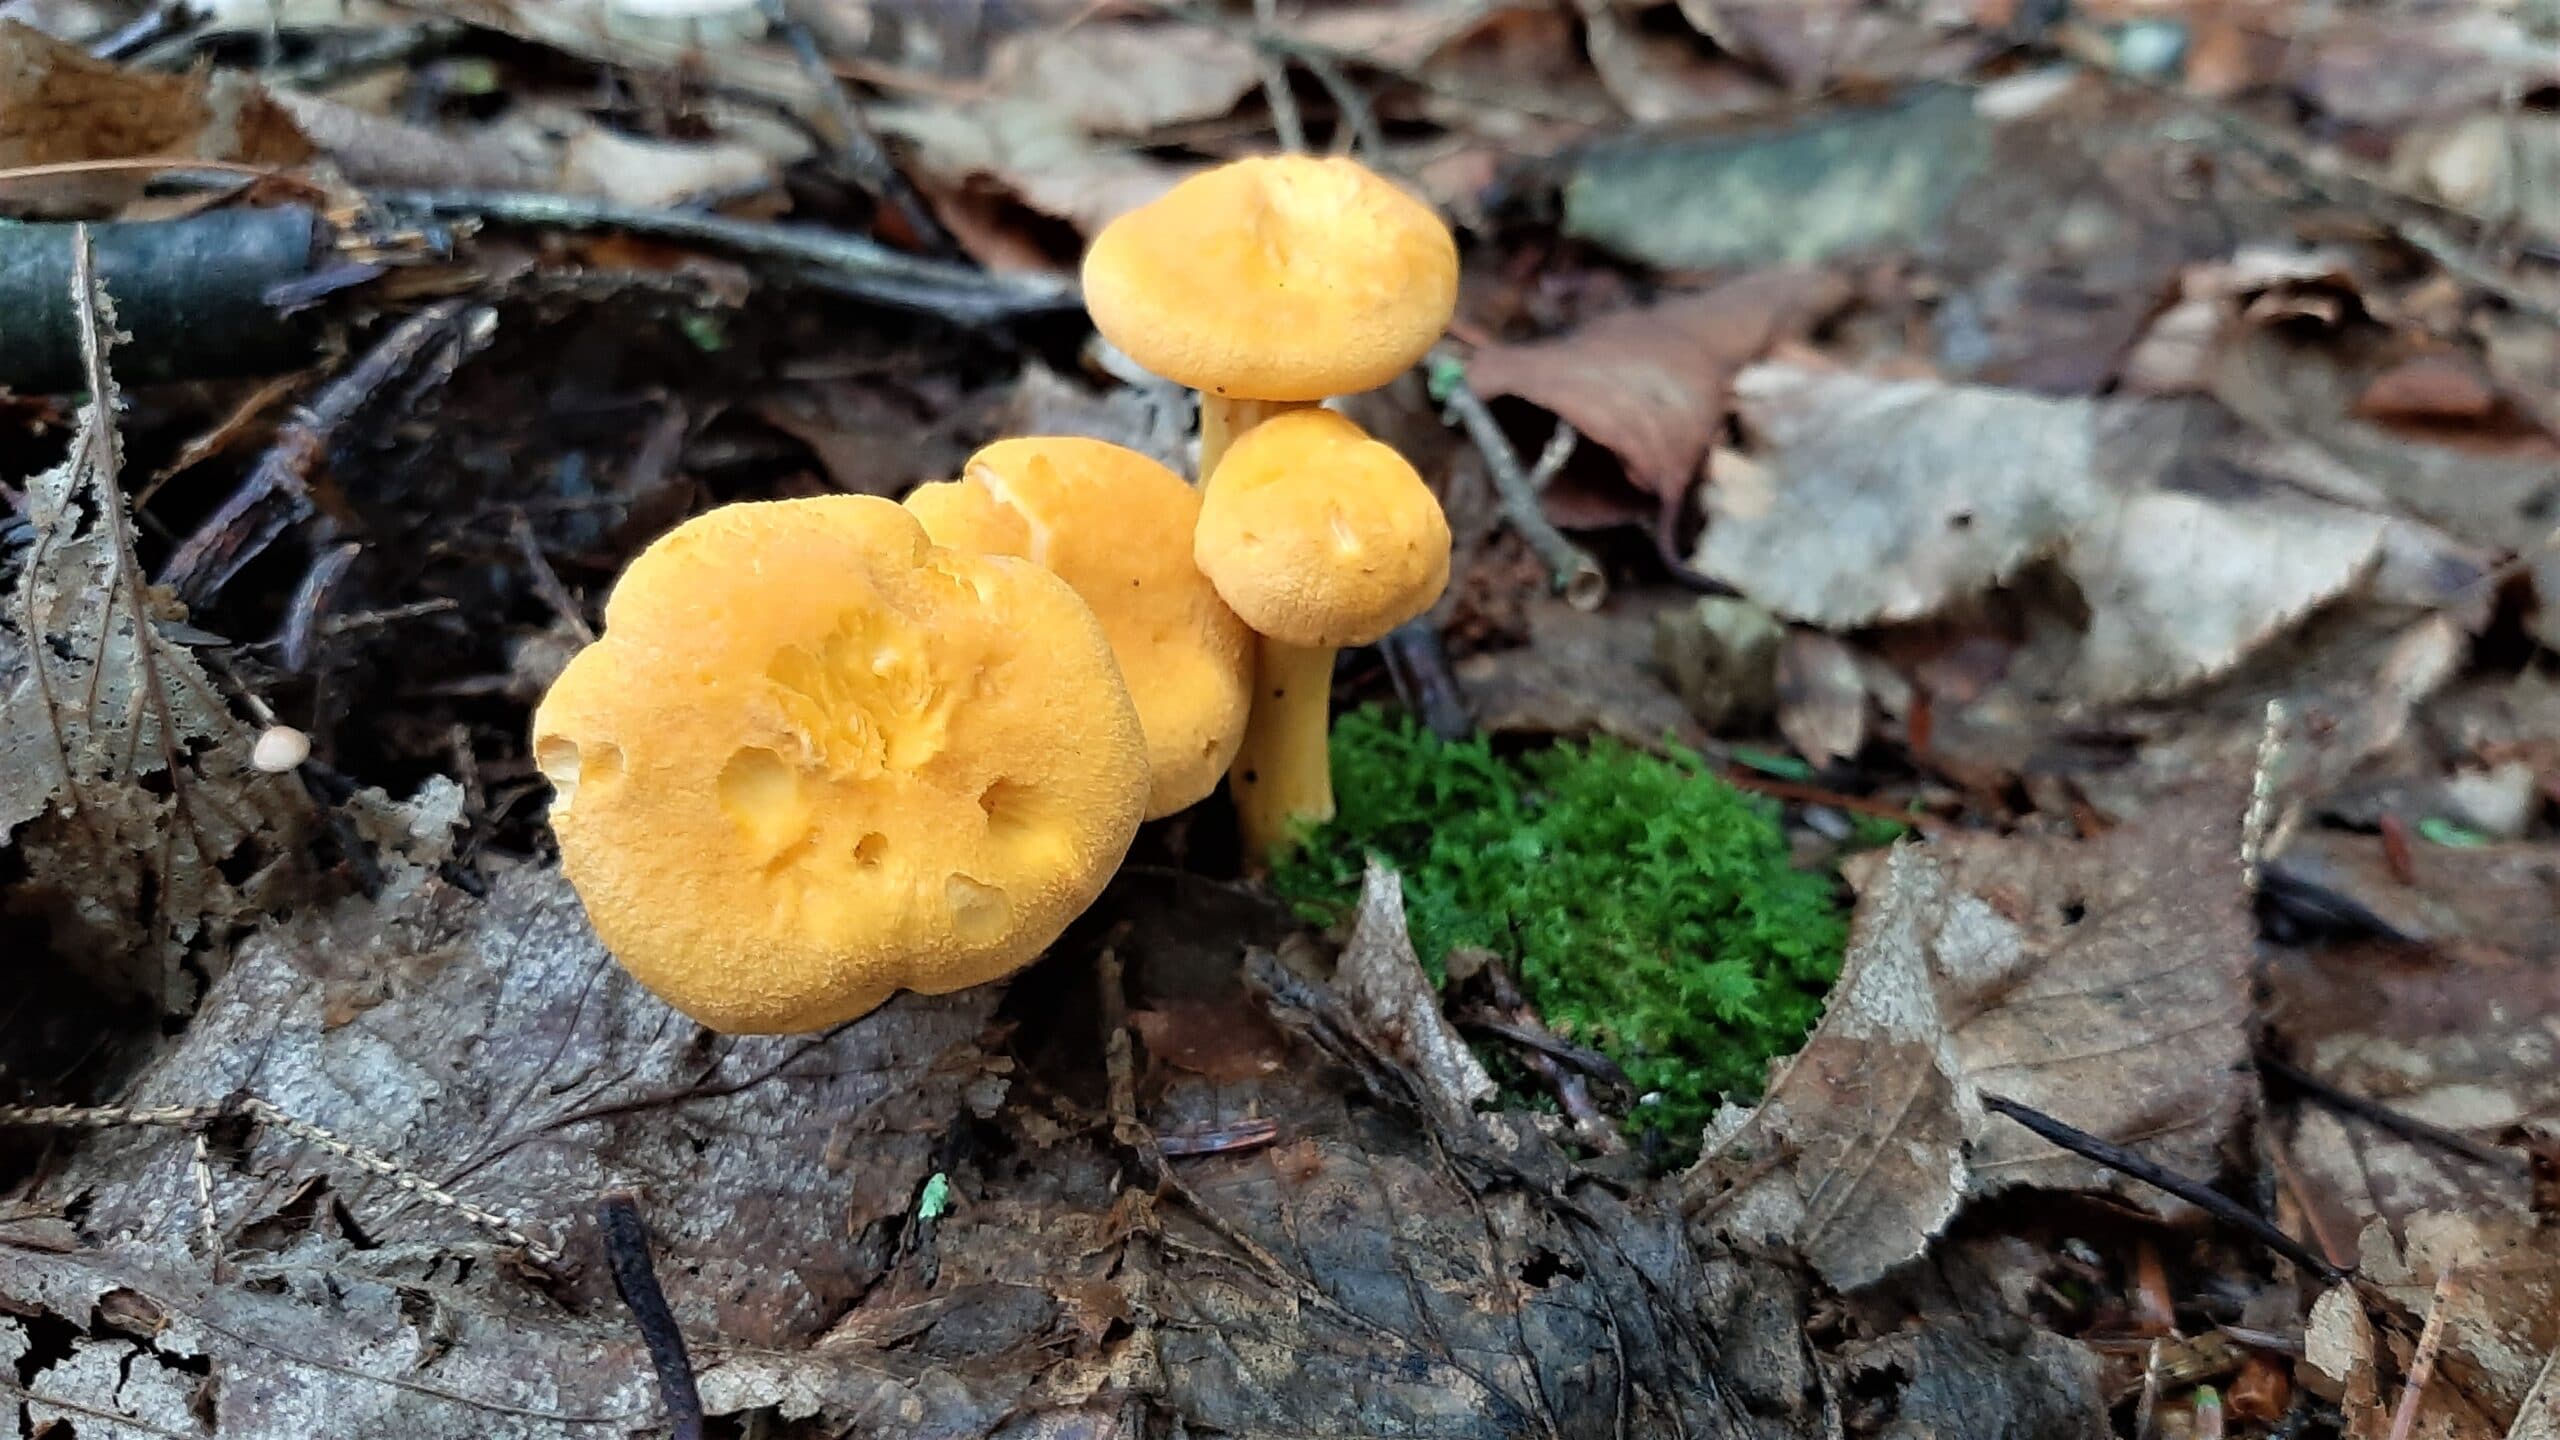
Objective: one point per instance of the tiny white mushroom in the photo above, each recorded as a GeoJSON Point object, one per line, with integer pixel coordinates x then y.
{"type": "Point", "coordinates": [280, 748]}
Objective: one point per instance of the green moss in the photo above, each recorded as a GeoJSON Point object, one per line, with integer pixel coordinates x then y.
{"type": "Point", "coordinates": [1648, 907]}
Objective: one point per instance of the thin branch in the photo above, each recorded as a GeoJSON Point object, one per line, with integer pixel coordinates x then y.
{"type": "Point", "coordinates": [1576, 576]}
{"type": "Point", "coordinates": [2422, 1365]}
{"type": "Point", "coordinates": [858, 147]}
{"type": "Point", "coordinates": [626, 1246]}
{"type": "Point", "coordinates": [1285, 120]}
{"type": "Point", "coordinates": [849, 265]}
{"type": "Point", "coordinates": [2195, 1192]}
{"type": "Point", "coordinates": [2408, 1127]}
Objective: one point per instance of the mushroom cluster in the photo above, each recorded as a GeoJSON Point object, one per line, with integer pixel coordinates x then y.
{"type": "Point", "coordinates": [830, 749]}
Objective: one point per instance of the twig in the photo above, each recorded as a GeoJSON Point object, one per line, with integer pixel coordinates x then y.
{"type": "Point", "coordinates": [2257, 824]}
{"type": "Point", "coordinates": [1285, 120]}
{"type": "Point", "coordinates": [1419, 665]}
{"type": "Point", "coordinates": [2407, 1127]}
{"type": "Point", "coordinates": [2422, 1365]}
{"type": "Point", "coordinates": [194, 294]}
{"type": "Point", "coordinates": [546, 581]}
{"type": "Point", "coordinates": [626, 1246]}
{"type": "Point", "coordinates": [829, 260]}
{"type": "Point", "coordinates": [1541, 1051]}
{"type": "Point", "coordinates": [858, 146]}
{"type": "Point", "coordinates": [110, 1418]}
{"type": "Point", "coordinates": [2195, 1192]}
{"type": "Point", "coordinates": [418, 353]}
{"type": "Point", "coordinates": [1360, 133]}
{"type": "Point", "coordinates": [1575, 574]}
{"type": "Point", "coordinates": [1218, 1140]}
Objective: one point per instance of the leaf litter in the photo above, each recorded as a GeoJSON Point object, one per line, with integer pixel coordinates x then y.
{"type": "Point", "coordinates": [2114, 483]}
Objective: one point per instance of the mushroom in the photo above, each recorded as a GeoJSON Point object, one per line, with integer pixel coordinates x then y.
{"type": "Point", "coordinates": [1118, 527]}
{"type": "Point", "coordinates": [1270, 283]}
{"type": "Point", "coordinates": [816, 759]}
{"type": "Point", "coordinates": [1319, 537]}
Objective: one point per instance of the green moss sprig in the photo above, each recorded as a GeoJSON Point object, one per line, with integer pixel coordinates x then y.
{"type": "Point", "coordinates": [1649, 908]}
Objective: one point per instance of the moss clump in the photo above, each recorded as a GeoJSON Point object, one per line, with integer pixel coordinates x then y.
{"type": "Point", "coordinates": [1648, 907]}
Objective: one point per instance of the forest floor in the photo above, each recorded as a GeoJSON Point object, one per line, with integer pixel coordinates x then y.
{"type": "Point", "coordinates": [2089, 471]}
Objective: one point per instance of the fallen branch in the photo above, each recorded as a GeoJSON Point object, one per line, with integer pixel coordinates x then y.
{"type": "Point", "coordinates": [195, 296]}
{"type": "Point", "coordinates": [419, 353]}
{"type": "Point", "coordinates": [801, 255]}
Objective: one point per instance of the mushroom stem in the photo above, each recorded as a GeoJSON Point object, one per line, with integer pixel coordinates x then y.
{"type": "Point", "coordinates": [1224, 418]}
{"type": "Point", "coordinates": [1283, 775]}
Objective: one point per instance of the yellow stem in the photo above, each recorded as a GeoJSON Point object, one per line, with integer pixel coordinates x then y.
{"type": "Point", "coordinates": [1283, 775]}
{"type": "Point", "coordinates": [1225, 417]}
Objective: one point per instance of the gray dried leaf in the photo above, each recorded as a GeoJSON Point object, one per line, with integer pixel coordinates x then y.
{"type": "Point", "coordinates": [1884, 500]}
{"type": "Point", "coordinates": [125, 780]}
{"type": "Point", "coordinates": [1382, 978]}
{"type": "Point", "coordinates": [2101, 981]}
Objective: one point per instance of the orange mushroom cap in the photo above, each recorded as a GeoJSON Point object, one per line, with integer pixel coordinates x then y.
{"type": "Point", "coordinates": [1281, 277]}
{"type": "Point", "coordinates": [1319, 536]}
{"type": "Point", "coordinates": [1117, 526]}
{"type": "Point", "coordinates": [816, 759]}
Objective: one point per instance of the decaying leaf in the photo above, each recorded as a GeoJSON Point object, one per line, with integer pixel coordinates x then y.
{"type": "Point", "coordinates": [1878, 500]}
{"type": "Point", "coordinates": [2459, 1036]}
{"type": "Point", "coordinates": [1126, 77]}
{"type": "Point", "coordinates": [1383, 980]}
{"type": "Point", "coordinates": [125, 780]}
{"type": "Point", "coordinates": [1032, 152]}
{"type": "Point", "coordinates": [1581, 674]}
{"type": "Point", "coordinates": [2497, 1278]}
{"type": "Point", "coordinates": [58, 103]}
{"type": "Point", "coordinates": [1822, 697]}
{"type": "Point", "coordinates": [1652, 383]}
{"type": "Point", "coordinates": [1886, 500]}
{"type": "Point", "coordinates": [2102, 982]}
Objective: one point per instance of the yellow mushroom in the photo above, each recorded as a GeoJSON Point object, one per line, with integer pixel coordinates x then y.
{"type": "Point", "coordinates": [1271, 283]}
{"type": "Point", "coordinates": [1320, 538]}
{"type": "Point", "coordinates": [1117, 526]}
{"type": "Point", "coordinates": [816, 759]}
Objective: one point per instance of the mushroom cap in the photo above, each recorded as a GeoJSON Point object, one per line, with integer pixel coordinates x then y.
{"type": "Point", "coordinates": [1117, 526]}
{"type": "Point", "coordinates": [1281, 277]}
{"type": "Point", "coordinates": [1319, 536]}
{"type": "Point", "coordinates": [816, 759]}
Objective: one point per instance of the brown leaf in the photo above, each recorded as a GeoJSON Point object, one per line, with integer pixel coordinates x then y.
{"type": "Point", "coordinates": [59, 104]}
{"type": "Point", "coordinates": [1652, 383]}
{"type": "Point", "coordinates": [2103, 982]}
{"type": "Point", "coordinates": [1122, 77]}
{"type": "Point", "coordinates": [2462, 1038]}
{"type": "Point", "coordinates": [1038, 154]}
{"type": "Point", "coordinates": [1581, 674]}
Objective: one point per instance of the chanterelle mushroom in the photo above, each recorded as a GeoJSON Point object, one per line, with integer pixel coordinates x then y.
{"type": "Point", "coordinates": [1271, 283]}
{"type": "Point", "coordinates": [816, 759]}
{"type": "Point", "coordinates": [1118, 527]}
{"type": "Point", "coordinates": [1319, 537]}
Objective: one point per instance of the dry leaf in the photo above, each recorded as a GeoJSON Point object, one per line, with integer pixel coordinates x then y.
{"type": "Point", "coordinates": [59, 104]}
{"type": "Point", "coordinates": [1886, 500]}
{"type": "Point", "coordinates": [1581, 674]}
{"type": "Point", "coordinates": [1034, 152]}
{"type": "Point", "coordinates": [1879, 500]}
{"type": "Point", "coordinates": [1652, 383]}
{"type": "Point", "coordinates": [1381, 977]}
{"type": "Point", "coordinates": [2103, 982]}
{"type": "Point", "coordinates": [1120, 77]}
{"type": "Point", "coordinates": [125, 780]}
